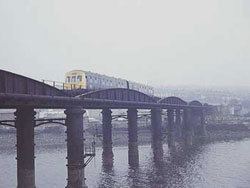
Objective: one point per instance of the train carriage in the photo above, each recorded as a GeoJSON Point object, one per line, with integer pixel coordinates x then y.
{"type": "Point", "coordinates": [79, 79]}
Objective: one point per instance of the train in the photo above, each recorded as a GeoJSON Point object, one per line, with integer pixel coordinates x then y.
{"type": "Point", "coordinates": [80, 79]}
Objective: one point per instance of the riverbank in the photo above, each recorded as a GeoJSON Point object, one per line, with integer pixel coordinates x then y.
{"type": "Point", "coordinates": [55, 137]}
{"type": "Point", "coordinates": [226, 132]}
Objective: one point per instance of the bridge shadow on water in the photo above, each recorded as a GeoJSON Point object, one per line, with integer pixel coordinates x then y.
{"type": "Point", "coordinates": [158, 170]}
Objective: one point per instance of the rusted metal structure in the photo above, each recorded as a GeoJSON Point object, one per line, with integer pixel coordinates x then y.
{"type": "Point", "coordinates": [25, 95]}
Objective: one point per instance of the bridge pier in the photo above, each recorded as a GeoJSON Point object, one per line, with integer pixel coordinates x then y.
{"type": "Point", "coordinates": [178, 122]}
{"type": "Point", "coordinates": [170, 129]}
{"type": "Point", "coordinates": [25, 123]}
{"type": "Point", "coordinates": [107, 154]}
{"type": "Point", "coordinates": [156, 129]}
{"type": "Point", "coordinates": [75, 147]}
{"type": "Point", "coordinates": [202, 126]}
{"type": "Point", "coordinates": [133, 153]}
{"type": "Point", "coordinates": [188, 127]}
{"type": "Point", "coordinates": [196, 122]}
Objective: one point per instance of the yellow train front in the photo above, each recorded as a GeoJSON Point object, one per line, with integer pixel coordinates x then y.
{"type": "Point", "coordinates": [79, 79]}
{"type": "Point", "coordinates": [75, 79]}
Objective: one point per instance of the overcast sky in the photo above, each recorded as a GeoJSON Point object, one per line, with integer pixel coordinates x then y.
{"type": "Point", "coordinates": [167, 42]}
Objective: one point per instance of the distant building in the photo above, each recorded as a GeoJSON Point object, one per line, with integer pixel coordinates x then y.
{"type": "Point", "coordinates": [7, 114]}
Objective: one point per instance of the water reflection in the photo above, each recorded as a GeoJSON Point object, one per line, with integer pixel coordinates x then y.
{"type": "Point", "coordinates": [225, 165]}
{"type": "Point", "coordinates": [107, 177]}
{"type": "Point", "coordinates": [107, 174]}
{"type": "Point", "coordinates": [171, 171]}
{"type": "Point", "coordinates": [162, 168]}
{"type": "Point", "coordinates": [134, 176]}
{"type": "Point", "coordinates": [133, 155]}
{"type": "Point", "coordinates": [107, 159]}
{"type": "Point", "coordinates": [157, 149]}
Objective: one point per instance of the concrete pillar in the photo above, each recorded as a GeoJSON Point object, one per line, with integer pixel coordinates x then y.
{"type": "Point", "coordinates": [203, 132]}
{"type": "Point", "coordinates": [156, 129]}
{"type": "Point", "coordinates": [133, 153]}
{"type": "Point", "coordinates": [195, 122]}
{"type": "Point", "coordinates": [170, 129]}
{"type": "Point", "coordinates": [75, 147]}
{"type": "Point", "coordinates": [178, 123]}
{"type": "Point", "coordinates": [188, 127]}
{"type": "Point", "coordinates": [107, 154]}
{"type": "Point", "coordinates": [25, 122]}
{"type": "Point", "coordinates": [198, 123]}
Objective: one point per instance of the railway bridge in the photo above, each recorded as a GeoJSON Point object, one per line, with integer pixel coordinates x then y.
{"type": "Point", "coordinates": [25, 95]}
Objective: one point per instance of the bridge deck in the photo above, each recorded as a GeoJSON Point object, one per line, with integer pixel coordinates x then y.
{"type": "Point", "coordinates": [13, 101]}
{"type": "Point", "coordinates": [17, 90]}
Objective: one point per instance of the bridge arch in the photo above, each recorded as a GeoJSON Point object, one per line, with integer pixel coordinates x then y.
{"type": "Point", "coordinates": [195, 103]}
{"type": "Point", "coordinates": [173, 101]}
{"type": "Point", "coordinates": [120, 94]}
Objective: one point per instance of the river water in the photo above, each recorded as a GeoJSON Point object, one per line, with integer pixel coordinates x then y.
{"type": "Point", "coordinates": [214, 165]}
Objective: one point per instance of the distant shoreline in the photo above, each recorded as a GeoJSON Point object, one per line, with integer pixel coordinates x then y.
{"type": "Point", "coordinates": [55, 138]}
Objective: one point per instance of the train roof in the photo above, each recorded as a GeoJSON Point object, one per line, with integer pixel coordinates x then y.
{"type": "Point", "coordinates": [98, 74]}
{"type": "Point", "coordinates": [72, 71]}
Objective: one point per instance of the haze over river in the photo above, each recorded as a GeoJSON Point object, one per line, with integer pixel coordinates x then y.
{"type": "Point", "coordinates": [220, 164]}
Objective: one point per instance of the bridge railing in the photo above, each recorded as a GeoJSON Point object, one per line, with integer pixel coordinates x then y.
{"type": "Point", "coordinates": [62, 85]}
{"type": "Point", "coordinates": [89, 153]}
{"type": "Point", "coordinates": [56, 84]}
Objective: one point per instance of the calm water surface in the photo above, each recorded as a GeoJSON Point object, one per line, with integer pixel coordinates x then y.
{"type": "Point", "coordinates": [225, 164]}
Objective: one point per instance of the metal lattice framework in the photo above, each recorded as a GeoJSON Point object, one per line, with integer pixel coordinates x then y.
{"type": "Point", "coordinates": [39, 122]}
{"type": "Point", "coordinates": [119, 94]}
{"type": "Point", "coordinates": [195, 103]}
{"type": "Point", "coordinates": [8, 123]}
{"type": "Point", "coordinates": [140, 115]}
{"type": "Point", "coordinates": [196, 111]}
{"type": "Point", "coordinates": [58, 121]}
{"type": "Point", "coordinates": [17, 90]}
{"type": "Point", "coordinates": [173, 101]}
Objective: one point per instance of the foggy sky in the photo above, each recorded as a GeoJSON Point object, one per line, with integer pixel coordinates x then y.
{"type": "Point", "coordinates": [160, 42]}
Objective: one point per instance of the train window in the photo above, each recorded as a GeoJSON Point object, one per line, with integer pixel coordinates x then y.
{"type": "Point", "coordinates": [73, 79]}
{"type": "Point", "coordinates": [68, 79]}
{"type": "Point", "coordinates": [79, 78]}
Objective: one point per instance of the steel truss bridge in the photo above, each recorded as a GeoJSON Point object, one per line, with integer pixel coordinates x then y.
{"type": "Point", "coordinates": [25, 95]}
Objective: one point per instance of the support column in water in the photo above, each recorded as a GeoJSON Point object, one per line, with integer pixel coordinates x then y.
{"type": "Point", "coordinates": [25, 123]}
{"type": "Point", "coordinates": [170, 128]}
{"type": "Point", "coordinates": [178, 122]}
{"type": "Point", "coordinates": [156, 131]}
{"type": "Point", "coordinates": [133, 153]}
{"type": "Point", "coordinates": [107, 154]}
{"type": "Point", "coordinates": [203, 132]}
{"type": "Point", "coordinates": [75, 147]}
{"type": "Point", "coordinates": [197, 120]}
{"type": "Point", "coordinates": [188, 131]}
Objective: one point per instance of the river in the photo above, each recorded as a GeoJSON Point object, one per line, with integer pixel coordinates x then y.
{"type": "Point", "coordinates": [214, 165]}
